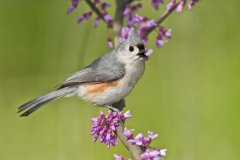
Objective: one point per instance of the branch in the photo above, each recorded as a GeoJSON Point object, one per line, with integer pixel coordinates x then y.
{"type": "Point", "coordinates": [135, 150]}
{"type": "Point", "coordinates": [118, 19]}
{"type": "Point", "coordinates": [161, 19]}
{"type": "Point", "coordinates": [97, 11]}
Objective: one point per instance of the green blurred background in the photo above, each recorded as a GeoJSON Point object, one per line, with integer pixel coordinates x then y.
{"type": "Point", "coordinates": [189, 93]}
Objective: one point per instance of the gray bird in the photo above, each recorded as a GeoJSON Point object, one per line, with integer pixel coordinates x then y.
{"type": "Point", "coordinates": [107, 80]}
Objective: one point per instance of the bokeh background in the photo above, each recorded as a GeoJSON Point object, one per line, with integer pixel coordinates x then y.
{"type": "Point", "coordinates": [189, 94]}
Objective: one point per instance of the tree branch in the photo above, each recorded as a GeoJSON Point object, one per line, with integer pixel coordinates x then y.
{"type": "Point", "coordinates": [161, 19]}
{"type": "Point", "coordinates": [118, 19]}
{"type": "Point", "coordinates": [135, 150]}
{"type": "Point", "coordinates": [97, 11]}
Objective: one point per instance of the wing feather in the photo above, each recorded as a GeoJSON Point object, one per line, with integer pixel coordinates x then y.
{"type": "Point", "coordinates": [104, 69]}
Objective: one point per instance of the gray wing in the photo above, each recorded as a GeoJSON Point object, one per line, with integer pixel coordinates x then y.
{"type": "Point", "coordinates": [104, 69]}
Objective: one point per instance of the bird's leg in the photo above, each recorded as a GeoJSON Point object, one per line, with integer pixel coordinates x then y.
{"type": "Point", "coordinates": [112, 108]}
{"type": "Point", "coordinates": [116, 107]}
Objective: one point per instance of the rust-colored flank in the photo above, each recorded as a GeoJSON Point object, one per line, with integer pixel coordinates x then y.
{"type": "Point", "coordinates": [95, 88]}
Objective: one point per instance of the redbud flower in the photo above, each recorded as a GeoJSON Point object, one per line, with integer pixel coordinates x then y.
{"type": "Point", "coordinates": [149, 52]}
{"type": "Point", "coordinates": [171, 4]}
{"type": "Point", "coordinates": [80, 19]}
{"type": "Point", "coordinates": [118, 157]}
{"type": "Point", "coordinates": [163, 152]}
{"type": "Point", "coordinates": [146, 26]}
{"type": "Point", "coordinates": [140, 140]}
{"type": "Point", "coordinates": [151, 135]}
{"type": "Point", "coordinates": [75, 3]}
{"type": "Point", "coordinates": [105, 126]}
{"type": "Point", "coordinates": [156, 3]}
{"type": "Point", "coordinates": [105, 5]}
{"type": "Point", "coordinates": [124, 34]}
{"type": "Point", "coordinates": [128, 133]}
{"type": "Point", "coordinates": [168, 33]}
{"type": "Point", "coordinates": [70, 9]}
{"type": "Point", "coordinates": [96, 22]}
{"type": "Point", "coordinates": [110, 42]}
{"type": "Point", "coordinates": [181, 5]}
{"type": "Point", "coordinates": [85, 16]}
{"type": "Point", "coordinates": [97, 1]}
{"type": "Point", "coordinates": [163, 33]}
{"type": "Point", "coordinates": [192, 3]}
{"type": "Point", "coordinates": [130, 9]}
{"type": "Point", "coordinates": [160, 42]}
{"type": "Point", "coordinates": [139, 19]}
{"type": "Point", "coordinates": [107, 18]}
{"type": "Point", "coordinates": [144, 143]}
{"type": "Point", "coordinates": [153, 154]}
{"type": "Point", "coordinates": [73, 6]}
{"type": "Point", "coordinates": [129, 13]}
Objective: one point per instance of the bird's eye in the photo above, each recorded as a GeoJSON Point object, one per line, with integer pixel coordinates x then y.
{"type": "Point", "coordinates": [131, 48]}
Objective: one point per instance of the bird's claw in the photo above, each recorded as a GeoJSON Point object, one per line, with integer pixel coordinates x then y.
{"type": "Point", "coordinates": [112, 108]}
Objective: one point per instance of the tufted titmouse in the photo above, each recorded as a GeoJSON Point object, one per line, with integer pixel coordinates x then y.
{"type": "Point", "coordinates": [107, 80]}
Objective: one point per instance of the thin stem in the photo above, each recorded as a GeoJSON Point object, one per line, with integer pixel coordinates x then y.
{"type": "Point", "coordinates": [161, 19]}
{"type": "Point", "coordinates": [135, 150]}
{"type": "Point", "coordinates": [166, 14]}
{"type": "Point", "coordinates": [97, 11]}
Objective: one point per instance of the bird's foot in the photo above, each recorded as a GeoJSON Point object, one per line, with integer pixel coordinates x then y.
{"type": "Point", "coordinates": [112, 108]}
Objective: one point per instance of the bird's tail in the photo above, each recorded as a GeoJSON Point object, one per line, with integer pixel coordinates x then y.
{"type": "Point", "coordinates": [35, 104]}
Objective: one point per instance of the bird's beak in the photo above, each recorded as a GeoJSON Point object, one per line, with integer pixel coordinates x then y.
{"type": "Point", "coordinates": [142, 53]}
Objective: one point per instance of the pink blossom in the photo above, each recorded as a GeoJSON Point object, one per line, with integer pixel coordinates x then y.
{"type": "Point", "coordinates": [156, 3]}
{"type": "Point", "coordinates": [118, 157]}
{"type": "Point", "coordinates": [107, 18]}
{"type": "Point", "coordinates": [73, 6]}
{"type": "Point", "coordinates": [96, 22]}
{"type": "Point", "coordinates": [105, 126]}
{"type": "Point", "coordinates": [110, 42]}
{"type": "Point", "coordinates": [153, 154]}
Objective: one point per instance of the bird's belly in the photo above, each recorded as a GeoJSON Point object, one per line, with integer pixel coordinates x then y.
{"type": "Point", "coordinates": [104, 93]}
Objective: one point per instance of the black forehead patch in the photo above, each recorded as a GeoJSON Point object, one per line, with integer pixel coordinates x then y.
{"type": "Point", "coordinates": [140, 46]}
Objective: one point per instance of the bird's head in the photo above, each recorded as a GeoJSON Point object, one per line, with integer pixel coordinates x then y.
{"type": "Point", "coordinates": [133, 49]}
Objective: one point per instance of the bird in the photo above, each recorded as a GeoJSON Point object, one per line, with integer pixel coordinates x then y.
{"type": "Point", "coordinates": [105, 81]}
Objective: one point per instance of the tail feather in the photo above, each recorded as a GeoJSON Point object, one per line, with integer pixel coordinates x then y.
{"type": "Point", "coordinates": [40, 101]}
{"type": "Point", "coordinates": [33, 109]}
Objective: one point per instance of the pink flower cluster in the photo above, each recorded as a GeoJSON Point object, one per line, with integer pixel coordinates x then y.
{"type": "Point", "coordinates": [163, 34]}
{"type": "Point", "coordinates": [154, 154]}
{"type": "Point", "coordinates": [105, 126]}
{"type": "Point", "coordinates": [101, 6]}
{"type": "Point", "coordinates": [180, 4]}
{"type": "Point", "coordinates": [133, 19]}
{"type": "Point", "coordinates": [140, 140]}
{"type": "Point", "coordinates": [143, 23]}
{"type": "Point", "coordinates": [144, 142]}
